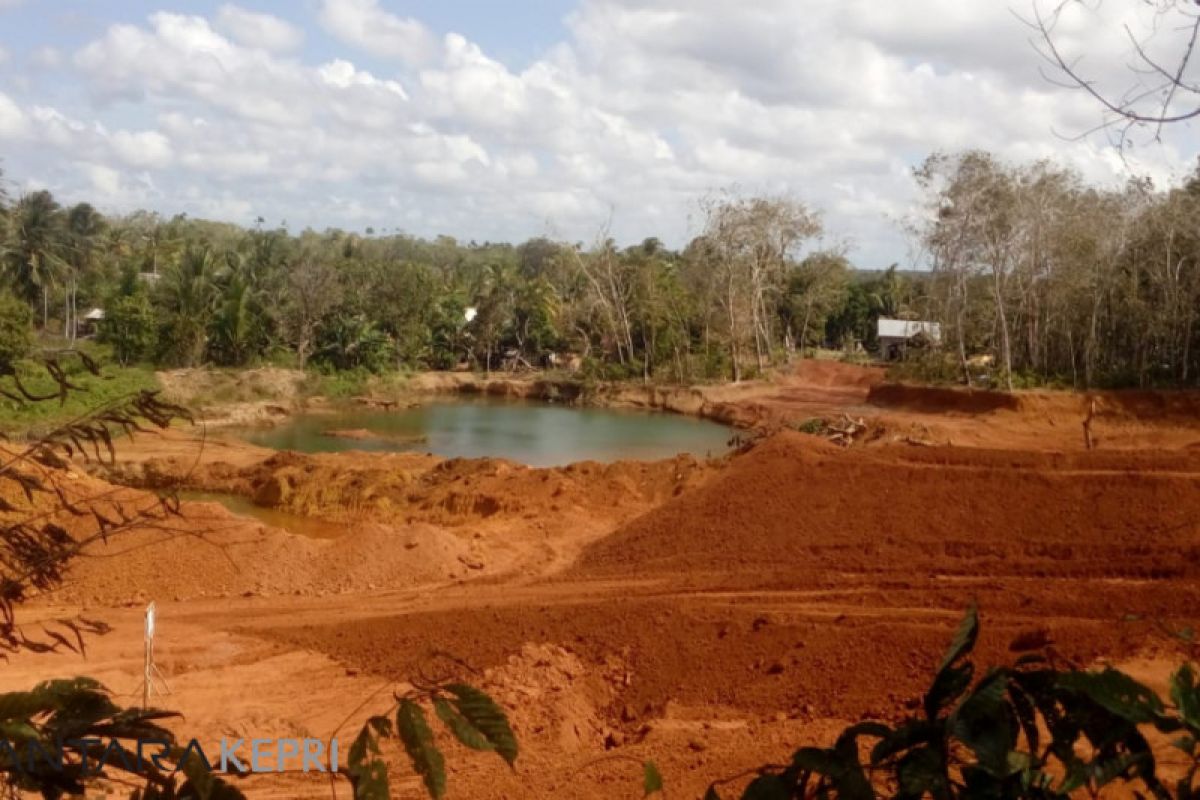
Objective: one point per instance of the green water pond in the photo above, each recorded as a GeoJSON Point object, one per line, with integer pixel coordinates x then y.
{"type": "Point", "coordinates": [537, 434]}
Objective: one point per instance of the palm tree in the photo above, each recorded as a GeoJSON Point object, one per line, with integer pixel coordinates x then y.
{"type": "Point", "coordinates": [232, 323]}
{"type": "Point", "coordinates": [84, 227]}
{"type": "Point", "coordinates": [188, 293]}
{"type": "Point", "coordinates": [889, 294]}
{"type": "Point", "coordinates": [494, 295]}
{"type": "Point", "coordinates": [32, 248]}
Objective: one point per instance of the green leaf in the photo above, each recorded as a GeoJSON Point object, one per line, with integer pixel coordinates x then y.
{"type": "Point", "coordinates": [847, 741]}
{"type": "Point", "coordinates": [922, 772]}
{"type": "Point", "coordinates": [840, 767]}
{"type": "Point", "coordinates": [15, 731]}
{"type": "Point", "coordinates": [1116, 692]}
{"type": "Point", "coordinates": [910, 734]}
{"type": "Point", "coordinates": [367, 772]}
{"type": "Point", "coordinates": [767, 787]}
{"type": "Point", "coordinates": [458, 725]}
{"type": "Point", "coordinates": [50, 696]}
{"type": "Point", "coordinates": [964, 638]}
{"type": "Point", "coordinates": [983, 723]}
{"type": "Point", "coordinates": [1026, 715]}
{"type": "Point", "coordinates": [1185, 743]}
{"type": "Point", "coordinates": [1105, 772]}
{"type": "Point", "coordinates": [652, 782]}
{"type": "Point", "coordinates": [1185, 693]}
{"type": "Point", "coordinates": [948, 686]}
{"type": "Point", "coordinates": [418, 742]}
{"type": "Point", "coordinates": [485, 715]}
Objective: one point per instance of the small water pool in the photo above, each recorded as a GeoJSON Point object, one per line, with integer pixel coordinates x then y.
{"type": "Point", "coordinates": [245, 507]}
{"type": "Point", "coordinates": [537, 434]}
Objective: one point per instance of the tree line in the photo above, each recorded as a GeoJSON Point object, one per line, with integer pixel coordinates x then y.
{"type": "Point", "coordinates": [1058, 279]}
{"type": "Point", "coordinates": [1051, 277]}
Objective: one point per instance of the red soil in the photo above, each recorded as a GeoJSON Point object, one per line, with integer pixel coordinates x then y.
{"type": "Point", "coordinates": [711, 617]}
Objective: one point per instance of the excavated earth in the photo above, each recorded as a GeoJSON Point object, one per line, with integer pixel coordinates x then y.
{"type": "Point", "coordinates": [711, 615]}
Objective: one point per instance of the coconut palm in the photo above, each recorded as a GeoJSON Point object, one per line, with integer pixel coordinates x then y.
{"type": "Point", "coordinates": [33, 247]}
{"type": "Point", "coordinates": [187, 293]}
{"type": "Point", "coordinates": [84, 227]}
{"type": "Point", "coordinates": [233, 321]}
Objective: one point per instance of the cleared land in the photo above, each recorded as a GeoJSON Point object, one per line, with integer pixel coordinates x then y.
{"type": "Point", "coordinates": [708, 615]}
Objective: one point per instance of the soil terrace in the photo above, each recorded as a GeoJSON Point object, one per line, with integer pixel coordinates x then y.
{"type": "Point", "coordinates": [709, 615]}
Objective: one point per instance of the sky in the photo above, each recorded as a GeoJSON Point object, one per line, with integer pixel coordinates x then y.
{"type": "Point", "coordinates": [571, 119]}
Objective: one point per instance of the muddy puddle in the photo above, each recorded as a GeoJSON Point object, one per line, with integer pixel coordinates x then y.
{"type": "Point", "coordinates": [245, 507]}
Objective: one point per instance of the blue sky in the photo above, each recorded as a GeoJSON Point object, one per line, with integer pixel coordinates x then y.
{"type": "Point", "coordinates": [569, 119]}
{"type": "Point", "coordinates": [515, 32]}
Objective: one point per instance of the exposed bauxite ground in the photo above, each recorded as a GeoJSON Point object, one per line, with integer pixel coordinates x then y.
{"type": "Point", "coordinates": [708, 616]}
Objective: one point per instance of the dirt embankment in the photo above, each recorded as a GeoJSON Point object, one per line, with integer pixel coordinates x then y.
{"type": "Point", "coordinates": [1038, 420]}
{"type": "Point", "coordinates": [235, 397]}
{"type": "Point", "coordinates": [395, 521]}
{"type": "Point", "coordinates": [808, 387]}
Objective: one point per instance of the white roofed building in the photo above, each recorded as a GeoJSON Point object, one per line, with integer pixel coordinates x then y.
{"type": "Point", "coordinates": [897, 335]}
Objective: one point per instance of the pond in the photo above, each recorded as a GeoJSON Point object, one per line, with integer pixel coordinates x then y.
{"type": "Point", "coordinates": [536, 434]}
{"type": "Point", "coordinates": [245, 507]}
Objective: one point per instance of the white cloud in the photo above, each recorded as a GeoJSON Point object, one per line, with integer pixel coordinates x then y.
{"type": "Point", "coordinates": [106, 181]}
{"type": "Point", "coordinates": [254, 29]}
{"type": "Point", "coordinates": [46, 57]}
{"type": "Point", "coordinates": [363, 24]}
{"type": "Point", "coordinates": [642, 109]}
{"type": "Point", "coordinates": [343, 75]}
{"type": "Point", "coordinates": [142, 149]}
{"type": "Point", "coordinates": [13, 121]}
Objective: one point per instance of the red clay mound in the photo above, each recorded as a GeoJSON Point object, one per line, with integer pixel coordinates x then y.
{"type": "Point", "coordinates": [1178, 407]}
{"type": "Point", "coordinates": [834, 374]}
{"type": "Point", "coordinates": [941, 400]}
{"type": "Point", "coordinates": [796, 513]}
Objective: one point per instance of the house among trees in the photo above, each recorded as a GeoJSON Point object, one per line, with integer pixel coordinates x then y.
{"type": "Point", "coordinates": [89, 323]}
{"type": "Point", "coordinates": [896, 336]}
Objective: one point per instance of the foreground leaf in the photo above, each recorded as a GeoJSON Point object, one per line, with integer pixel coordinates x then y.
{"type": "Point", "coordinates": [652, 782]}
{"type": "Point", "coordinates": [418, 742]}
{"type": "Point", "coordinates": [458, 725]}
{"type": "Point", "coordinates": [368, 773]}
{"type": "Point", "coordinates": [485, 715]}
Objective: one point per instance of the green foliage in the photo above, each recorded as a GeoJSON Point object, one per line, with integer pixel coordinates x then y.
{"type": "Point", "coordinates": [814, 426]}
{"type": "Point", "coordinates": [367, 770]}
{"type": "Point", "coordinates": [67, 712]}
{"type": "Point", "coordinates": [417, 738]}
{"type": "Point", "coordinates": [129, 326]}
{"type": "Point", "coordinates": [16, 331]}
{"type": "Point", "coordinates": [466, 713]}
{"type": "Point", "coordinates": [652, 782]}
{"type": "Point", "coordinates": [355, 343]}
{"type": "Point", "coordinates": [1030, 730]}
{"type": "Point", "coordinates": [30, 418]}
{"type": "Point", "coordinates": [482, 714]}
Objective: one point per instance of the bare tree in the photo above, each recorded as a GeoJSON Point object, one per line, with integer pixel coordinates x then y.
{"type": "Point", "coordinates": [750, 245]}
{"type": "Point", "coordinates": [314, 290]}
{"type": "Point", "coordinates": [1163, 84]}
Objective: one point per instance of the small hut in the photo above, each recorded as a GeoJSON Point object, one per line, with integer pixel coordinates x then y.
{"type": "Point", "coordinates": [89, 323]}
{"type": "Point", "coordinates": [896, 336]}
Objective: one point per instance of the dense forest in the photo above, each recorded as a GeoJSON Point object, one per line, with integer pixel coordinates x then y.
{"type": "Point", "coordinates": [1045, 277]}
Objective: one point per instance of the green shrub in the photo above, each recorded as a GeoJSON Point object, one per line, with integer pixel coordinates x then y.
{"type": "Point", "coordinates": [16, 330]}
{"type": "Point", "coordinates": [93, 391]}
{"type": "Point", "coordinates": [129, 325]}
